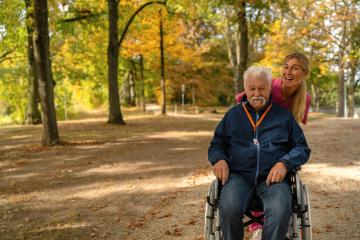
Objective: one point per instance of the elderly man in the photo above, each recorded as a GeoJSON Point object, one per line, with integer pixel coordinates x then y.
{"type": "Point", "coordinates": [254, 146]}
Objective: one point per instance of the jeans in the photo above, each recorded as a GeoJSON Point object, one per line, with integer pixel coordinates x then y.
{"type": "Point", "coordinates": [237, 194]}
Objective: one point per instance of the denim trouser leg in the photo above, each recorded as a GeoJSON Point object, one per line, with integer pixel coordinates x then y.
{"type": "Point", "coordinates": [276, 200]}
{"type": "Point", "coordinates": [234, 200]}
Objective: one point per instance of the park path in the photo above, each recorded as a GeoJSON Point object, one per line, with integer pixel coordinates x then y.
{"type": "Point", "coordinates": [148, 179]}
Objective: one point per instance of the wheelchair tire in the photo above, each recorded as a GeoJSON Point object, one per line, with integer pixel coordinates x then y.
{"type": "Point", "coordinates": [209, 213]}
{"type": "Point", "coordinates": [306, 215]}
{"type": "Point", "coordinates": [294, 228]}
{"type": "Point", "coordinates": [212, 229]}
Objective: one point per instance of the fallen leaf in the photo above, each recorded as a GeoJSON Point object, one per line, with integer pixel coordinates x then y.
{"type": "Point", "coordinates": [165, 215]}
{"type": "Point", "coordinates": [329, 228]}
{"type": "Point", "coordinates": [175, 232]}
{"type": "Point", "coordinates": [134, 224]}
{"type": "Point", "coordinates": [191, 222]}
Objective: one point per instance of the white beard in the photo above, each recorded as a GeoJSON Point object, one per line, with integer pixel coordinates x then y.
{"type": "Point", "coordinates": [255, 99]}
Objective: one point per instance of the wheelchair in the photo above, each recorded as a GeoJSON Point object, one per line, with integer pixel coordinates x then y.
{"type": "Point", "coordinates": [300, 222]}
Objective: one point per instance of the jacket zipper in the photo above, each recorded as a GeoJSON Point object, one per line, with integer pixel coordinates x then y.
{"type": "Point", "coordinates": [258, 152]}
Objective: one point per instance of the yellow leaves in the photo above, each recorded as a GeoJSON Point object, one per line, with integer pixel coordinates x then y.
{"type": "Point", "coordinates": [304, 31]}
{"type": "Point", "coordinates": [281, 42]}
{"type": "Point", "coordinates": [144, 37]}
{"type": "Point", "coordinates": [85, 6]}
{"type": "Point", "coordinates": [324, 68]}
{"type": "Point", "coordinates": [133, 3]}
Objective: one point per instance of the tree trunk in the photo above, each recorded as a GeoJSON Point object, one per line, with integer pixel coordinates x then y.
{"type": "Point", "coordinates": [132, 84]}
{"type": "Point", "coordinates": [315, 88]}
{"type": "Point", "coordinates": [33, 115]}
{"type": "Point", "coordinates": [142, 85]}
{"type": "Point", "coordinates": [244, 43]}
{"type": "Point", "coordinates": [132, 94]}
{"type": "Point", "coordinates": [43, 72]}
{"type": "Point", "coordinates": [351, 99]}
{"type": "Point", "coordinates": [193, 97]}
{"type": "Point", "coordinates": [163, 85]}
{"type": "Point", "coordinates": [133, 90]}
{"type": "Point", "coordinates": [115, 116]}
{"type": "Point", "coordinates": [237, 79]}
{"type": "Point", "coordinates": [238, 44]}
{"type": "Point", "coordinates": [126, 89]}
{"type": "Point", "coordinates": [341, 87]}
{"type": "Point", "coordinates": [233, 54]}
{"type": "Point", "coordinates": [354, 64]}
{"type": "Point", "coordinates": [317, 98]}
{"type": "Point", "coordinates": [341, 62]}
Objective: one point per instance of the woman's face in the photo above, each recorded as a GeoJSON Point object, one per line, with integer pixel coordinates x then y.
{"type": "Point", "coordinates": [293, 73]}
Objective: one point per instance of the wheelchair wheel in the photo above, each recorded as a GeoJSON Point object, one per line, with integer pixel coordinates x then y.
{"type": "Point", "coordinates": [209, 213]}
{"type": "Point", "coordinates": [306, 229]}
{"type": "Point", "coordinates": [212, 216]}
{"type": "Point", "coordinates": [294, 228]}
{"type": "Point", "coordinates": [300, 227]}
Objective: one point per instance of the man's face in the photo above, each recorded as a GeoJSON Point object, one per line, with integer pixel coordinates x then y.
{"type": "Point", "coordinates": [257, 91]}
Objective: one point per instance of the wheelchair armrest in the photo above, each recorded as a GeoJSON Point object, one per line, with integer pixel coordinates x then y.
{"type": "Point", "coordinates": [295, 170]}
{"type": "Point", "coordinates": [218, 187]}
{"type": "Point", "coordinates": [213, 193]}
{"type": "Point", "coordinates": [297, 183]}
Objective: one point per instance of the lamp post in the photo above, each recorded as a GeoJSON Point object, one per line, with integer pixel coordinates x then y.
{"type": "Point", "coordinates": [182, 96]}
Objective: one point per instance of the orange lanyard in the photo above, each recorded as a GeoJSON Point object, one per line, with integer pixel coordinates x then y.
{"type": "Point", "coordinates": [260, 120]}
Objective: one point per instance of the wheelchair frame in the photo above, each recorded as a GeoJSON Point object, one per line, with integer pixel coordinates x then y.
{"type": "Point", "coordinates": [300, 222]}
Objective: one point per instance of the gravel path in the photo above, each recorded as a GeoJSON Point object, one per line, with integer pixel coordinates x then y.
{"type": "Point", "coordinates": [148, 179]}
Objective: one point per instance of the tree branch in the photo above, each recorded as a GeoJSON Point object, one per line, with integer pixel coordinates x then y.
{"type": "Point", "coordinates": [5, 54]}
{"type": "Point", "coordinates": [80, 17]}
{"type": "Point", "coordinates": [134, 15]}
{"type": "Point", "coordinates": [356, 84]}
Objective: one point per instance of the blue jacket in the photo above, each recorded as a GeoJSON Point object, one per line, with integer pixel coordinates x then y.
{"type": "Point", "coordinates": [251, 153]}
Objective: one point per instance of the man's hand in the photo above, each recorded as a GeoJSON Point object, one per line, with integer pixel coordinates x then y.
{"type": "Point", "coordinates": [276, 174]}
{"type": "Point", "coordinates": [221, 171]}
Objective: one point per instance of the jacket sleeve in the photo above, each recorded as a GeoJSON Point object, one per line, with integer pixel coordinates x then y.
{"type": "Point", "coordinates": [219, 143]}
{"type": "Point", "coordinates": [300, 152]}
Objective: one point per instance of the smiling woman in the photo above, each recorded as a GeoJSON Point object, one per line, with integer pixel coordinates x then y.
{"type": "Point", "coordinates": [293, 86]}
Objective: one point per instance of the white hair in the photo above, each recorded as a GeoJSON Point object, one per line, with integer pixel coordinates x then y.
{"type": "Point", "coordinates": [257, 72]}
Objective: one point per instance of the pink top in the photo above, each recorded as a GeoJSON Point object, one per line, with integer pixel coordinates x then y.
{"type": "Point", "coordinates": [277, 98]}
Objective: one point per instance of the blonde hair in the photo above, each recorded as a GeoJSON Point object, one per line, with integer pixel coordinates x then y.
{"type": "Point", "coordinates": [298, 105]}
